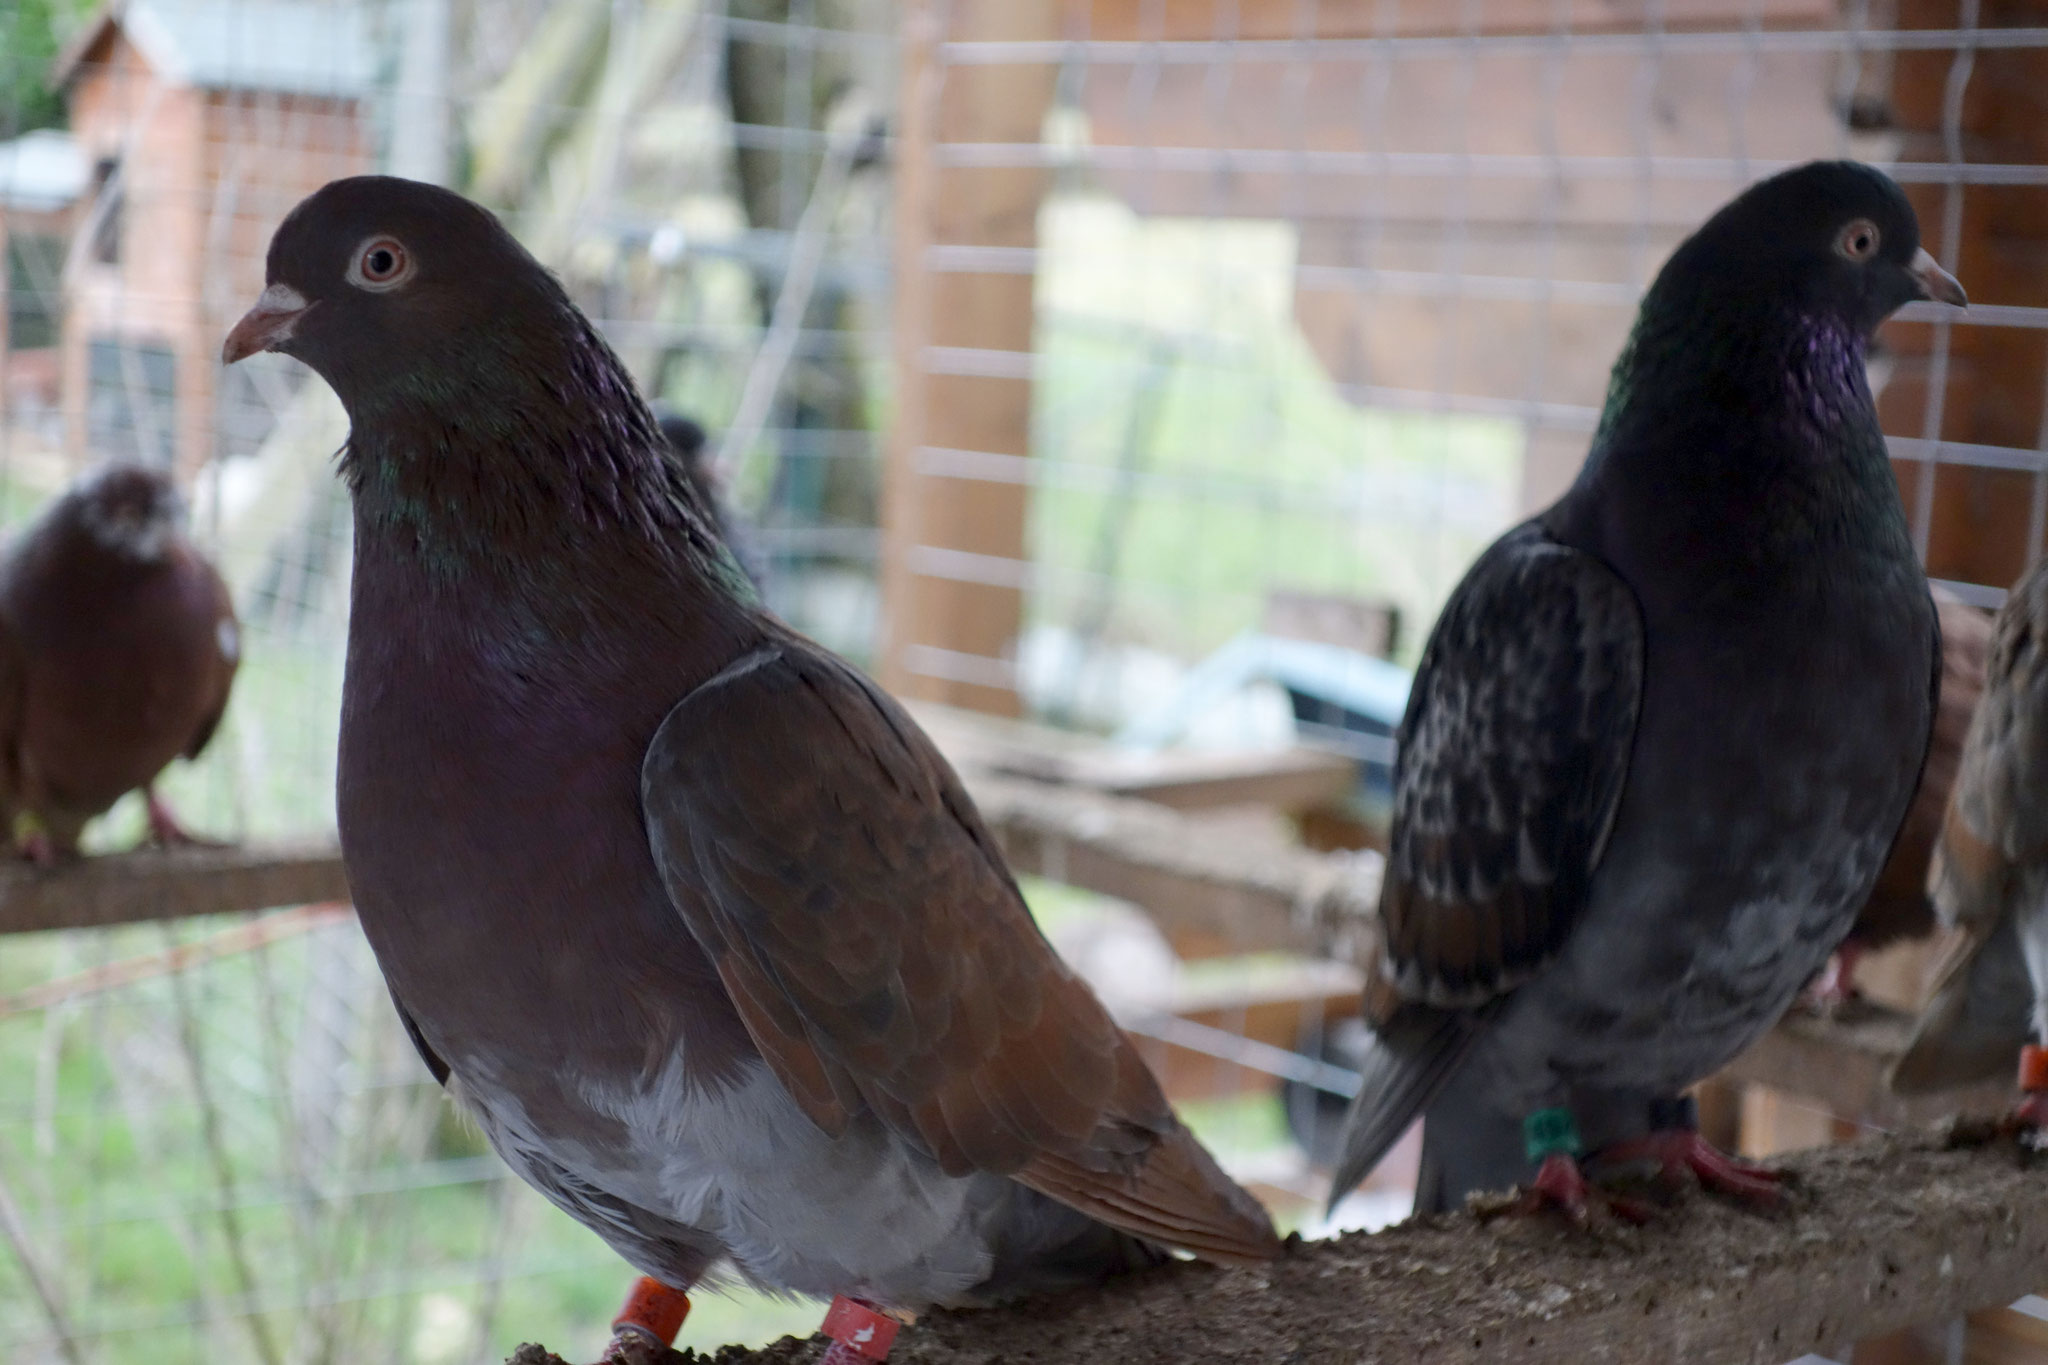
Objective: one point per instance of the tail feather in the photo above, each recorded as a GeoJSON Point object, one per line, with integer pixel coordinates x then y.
{"type": "Point", "coordinates": [1413, 1054]}
{"type": "Point", "coordinates": [1177, 1196]}
{"type": "Point", "coordinates": [1977, 1019]}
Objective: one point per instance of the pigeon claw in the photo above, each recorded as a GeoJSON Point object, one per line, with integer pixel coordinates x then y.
{"type": "Point", "coordinates": [164, 829]}
{"type": "Point", "coordinates": [2029, 1119]}
{"type": "Point", "coordinates": [2032, 1112]}
{"type": "Point", "coordinates": [1834, 990]}
{"type": "Point", "coordinates": [1681, 1154]}
{"type": "Point", "coordinates": [1561, 1187]}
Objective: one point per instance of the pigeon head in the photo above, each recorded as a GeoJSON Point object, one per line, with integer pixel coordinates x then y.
{"type": "Point", "coordinates": [393, 289]}
{"type": "Point", "coordinates": [129, 510]}
{"type": "Point", "coordinates": [1835, 242]}
{"type": "Point", "coordinates": [488, 418]}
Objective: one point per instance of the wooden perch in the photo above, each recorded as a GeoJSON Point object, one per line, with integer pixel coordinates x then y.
{"type": "Point", "coordinates": [1883, 1234]}
{"type": "Point", "coordinates": [159, 884]}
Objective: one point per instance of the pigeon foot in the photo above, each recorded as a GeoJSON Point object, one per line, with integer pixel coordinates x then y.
{"type": "Point", "coordinates": [861, 1333]}
{"type": "Point", "coordinates": [2029, 1119]}
{"type": "Point", "coordinates": [164, 829]}
{"type": "Point", "coordinates": [1561, 1187]}
{"type": "Point", "coordinates": [2032, 1112]}
{"type": "Point", "coordinates": [37, 848]}
{"type": "Point", "coordinates": [646, 1326]}
{"type": "Point", "coordinates": [1680, 1153]}
{"type": "Point", "coordinates": [1834, 990]}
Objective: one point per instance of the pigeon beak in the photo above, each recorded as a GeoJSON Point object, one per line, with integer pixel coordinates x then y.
{"type": "Point", "coordinates": [1936, 283]}
{"type": "Point", "coordinates": [268, 325]}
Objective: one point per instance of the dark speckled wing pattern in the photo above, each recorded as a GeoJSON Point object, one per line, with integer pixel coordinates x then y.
{"type": "Point", "coordinates": [883, 960]}
{"type": "Point", "coordinates": [1512, 759]}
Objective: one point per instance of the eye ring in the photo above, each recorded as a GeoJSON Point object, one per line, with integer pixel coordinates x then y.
{"type": "Point", "coordinates": [380, 264]}
{"type": "Point", "coordinates": [1858, 241]}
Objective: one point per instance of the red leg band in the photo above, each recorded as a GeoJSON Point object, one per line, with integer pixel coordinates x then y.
{"type": "Point", "coordinates": [655, 1309]}
{"type": "Point", "coordinates": [858, 1331]}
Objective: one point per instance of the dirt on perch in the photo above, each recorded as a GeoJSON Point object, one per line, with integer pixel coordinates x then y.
{"type": "Point", "coordinates": [1877, 1235]}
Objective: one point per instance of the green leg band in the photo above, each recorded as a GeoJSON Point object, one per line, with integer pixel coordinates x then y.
{"type": "Point", "coordinates": [1548, 1132]}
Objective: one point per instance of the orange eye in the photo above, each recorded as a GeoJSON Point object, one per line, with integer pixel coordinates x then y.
{"type": "Point", "coordinates": [1858, 241]}
{"type": "Point", "coordinates": [380, 263]}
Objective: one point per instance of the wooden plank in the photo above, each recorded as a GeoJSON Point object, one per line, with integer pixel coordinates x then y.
{"type": "Point", "coordinates": [1882, 1234]}
{"type": "Point", "coordinates": [1209, 20]}
{"type": "Point", "coordinates": [1237, 894]}
{"type": "Point", "coordinates": [1839, 1065]}
{"type": "Point", "coordinates": [1292, 780]}
{"type": "Point", "coordinates": [160, 884]}
{"type": "Point", "coordinates": [947, 636]}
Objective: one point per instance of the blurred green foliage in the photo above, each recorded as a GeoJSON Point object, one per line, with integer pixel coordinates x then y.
{"type": "Point", "coordinates": [31, 31]}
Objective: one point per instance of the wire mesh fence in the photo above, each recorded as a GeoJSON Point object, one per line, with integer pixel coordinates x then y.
{"type": "Point", "coordinates": [1077, 357]}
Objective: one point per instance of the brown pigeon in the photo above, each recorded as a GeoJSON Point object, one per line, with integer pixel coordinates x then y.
{"type": "Point", "coordinates": [1665, 732]}
{"type": "Point", "coordinates": [1990, 877]}
{"type": "Point", "coordinates": [688, 913]}
{"type": "Point", "coordinates": [122, 645]}
{"type": "Point", "coordinates": [1899, 906]}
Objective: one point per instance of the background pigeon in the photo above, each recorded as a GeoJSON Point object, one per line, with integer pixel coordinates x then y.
{"type": "Point", "coordinates": [1664, 733]}
{"type": "Point", "coordinates": [122, 646]}
{"type": "Point", "coordinates": [694, 919]}
{"type": "Point", "coordinates": [1899, 906]}
{"type": "Point", "coordinates": [1990, 877]}
{"type": "Point", "coordinates": [686, 438]}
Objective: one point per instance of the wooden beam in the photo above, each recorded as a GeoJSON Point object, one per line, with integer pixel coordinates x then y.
{"type": "Point", "coordinates": [160, 884]}
{"type": "Point", "coordinates": [1882, 1234]}
{"type": "Point", "coordinates": [1291, 780]}
{"type": "Point", "coordinates": [947, 635]}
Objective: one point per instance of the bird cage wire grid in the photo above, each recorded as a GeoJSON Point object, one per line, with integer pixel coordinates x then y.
{"type": "Point", "coordinates": [1308, 313]}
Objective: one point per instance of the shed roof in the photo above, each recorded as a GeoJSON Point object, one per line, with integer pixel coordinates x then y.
{"type": "Point", "coordinates": [41, 171]}
{"type": "Point", "coordinates": [303, 47]}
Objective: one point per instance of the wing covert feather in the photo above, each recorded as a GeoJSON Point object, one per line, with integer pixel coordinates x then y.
{"type": "Point", "coordinates": [830, 862]}
{"type": "Point", "coordinates": [1513, 755]}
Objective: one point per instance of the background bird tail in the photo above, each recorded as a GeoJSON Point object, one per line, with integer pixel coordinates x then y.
{"type": "Point", "coordinates": [1412, 1055]}
{"type": "Point", "coordinates": [1975, 1023]}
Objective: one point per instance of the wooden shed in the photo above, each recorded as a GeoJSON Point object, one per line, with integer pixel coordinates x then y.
{"type": "Point", "coordinates": [201, 122]}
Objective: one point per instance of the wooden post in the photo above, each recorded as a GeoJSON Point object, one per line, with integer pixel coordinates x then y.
{"type": "Point", "coordinates": [946, 638]}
